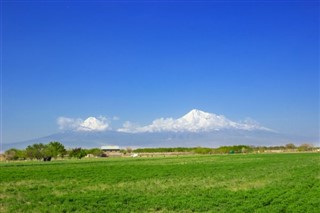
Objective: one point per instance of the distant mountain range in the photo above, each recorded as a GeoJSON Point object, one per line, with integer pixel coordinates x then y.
{"type": "Point", "coordinates": [196, 128]}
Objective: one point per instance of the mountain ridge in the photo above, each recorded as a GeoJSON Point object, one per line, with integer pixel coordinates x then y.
{"type": "Point", "coordinates": [195, 128]}
{"type": "Point", "coordinates": [225, 137]}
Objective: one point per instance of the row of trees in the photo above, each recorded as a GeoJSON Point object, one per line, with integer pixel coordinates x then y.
{"type": "Point", "coordinates": [288, 147]}
{"type": "Point", "coordinates": [37, 151]}
{"type": "Point", "coordinates": [54, 149]}
{"type": "Point", "coordinates": [229, 149]}
{"type": "Point", "coordinates": [199, 150]}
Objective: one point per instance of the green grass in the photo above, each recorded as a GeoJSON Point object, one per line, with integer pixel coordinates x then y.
{"type": "Point", "coordinates": [198, 183]}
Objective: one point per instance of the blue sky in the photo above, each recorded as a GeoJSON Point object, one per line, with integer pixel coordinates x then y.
{"type": "Point", "coordinates": [145, 60]}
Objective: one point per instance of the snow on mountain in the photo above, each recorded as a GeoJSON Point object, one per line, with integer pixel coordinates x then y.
{"type": "Point", "coordinates": [91, 124]}
{"type": "Point", "coordinates": [194, 121]}
{"type": "Point", "coordinates": [196, 128]}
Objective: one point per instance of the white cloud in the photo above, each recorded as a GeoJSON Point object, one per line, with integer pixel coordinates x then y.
{"type": "Point", "coordinates": [194, 121]}
{"type": "Point", "coordinates": [91, 124]}
{"type": "Point", "coordinates": [65, 123]}
{"type": "Point", "coordinates": [129, 127]}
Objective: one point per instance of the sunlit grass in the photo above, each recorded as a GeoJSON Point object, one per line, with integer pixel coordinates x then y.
{"type": "Point", "coordinates": [218, 183]}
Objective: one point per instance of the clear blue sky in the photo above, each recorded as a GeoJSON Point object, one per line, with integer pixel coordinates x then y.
{"type": "Point", "coordinates": [144, 60]}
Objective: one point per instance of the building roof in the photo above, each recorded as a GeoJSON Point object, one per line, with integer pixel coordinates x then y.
{"type": "Point", "coordinates": [110, 147]}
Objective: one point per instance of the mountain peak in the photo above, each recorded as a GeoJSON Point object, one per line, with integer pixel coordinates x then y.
{"type": "Point", "coordinates": [195, 111]}
{"type": "Point", "coordinates": [196, 114]}
{"type": "Point", "coordinates": [197, 120]}
{"type": "Point", "coordinates": [194, 121]}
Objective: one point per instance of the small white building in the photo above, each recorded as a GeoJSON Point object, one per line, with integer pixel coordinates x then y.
{"type": "Point", "coordinates": [110, 148]}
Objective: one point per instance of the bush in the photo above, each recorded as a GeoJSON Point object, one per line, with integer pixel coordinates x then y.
{"type": "Point", "coordinates": [14, 154]}
{"type": "Point", "coordinates": [77, 153]}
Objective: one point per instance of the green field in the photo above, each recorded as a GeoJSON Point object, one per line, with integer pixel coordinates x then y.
{"type": "Point", "coordinates": [196, 183]}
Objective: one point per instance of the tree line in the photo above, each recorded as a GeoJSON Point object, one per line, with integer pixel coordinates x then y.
{"type": "Point", "coordinates": [46, 152]}
{"type": "Point", "coordinates": [230, 149]}
{"type": "Point", "coordinates": [55, 149]}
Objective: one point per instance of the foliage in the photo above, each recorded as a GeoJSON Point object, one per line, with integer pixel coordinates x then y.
{"type": "Point", "coordinates": [95, 151]}
{"type": "Point", "coordinates": [202, 150]}
{"type": "Point", "coordinates": [290, 146]}
{"type": "Point", "coordinates": [15, 154]}
{"type": "Point", "coordinates": [127, 150]}
{"type": "Point", "coordinates": [196, 183]}
{"type": "Point", "coordinates": [233, 149]}
{"type": "Point", "coordinates": [56, 149]}
{"type": "Point", "coordinates": [305, 147]}
{"type": "Point", "coordinates": [36, 151]}
{"type": "Point", "coordinates": [77, 153]}
{"type": "Point", "coordinates": [41, 151]}
{"type": "Point", "coordinates": [174, 149]}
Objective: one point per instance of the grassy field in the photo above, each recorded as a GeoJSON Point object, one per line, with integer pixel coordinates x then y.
{"type": "Point", "coordinates": [198, 183]}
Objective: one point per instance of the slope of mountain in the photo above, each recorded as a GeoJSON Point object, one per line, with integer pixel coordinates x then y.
{"type": "Point", "coordinates": [164, 139]}
{"type": "Point", "coordinates": [196, 128]}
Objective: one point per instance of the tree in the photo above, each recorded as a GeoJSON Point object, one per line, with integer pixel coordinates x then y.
{"type": "Point", "coordinates": [41, 151]}
{"type": "Point", "coordinates": [261, 149]}
{"type": "Point", "coordinates": [290, 146]}
{"type": "Point", "coordinates": [55, 149]}
{"type": "Point", "coordinates": [129, 150]}
{"type": "Point", "coordinates": [14, 154]}
{"type": "Point", "coordinates": [244, 150]}
{"type": "Point", "coordinates": [37, 151]}
{"type": "Point", "coordinates": [95, 151]}
{"type": "Point", "coordinates": [77, 153]}
{"type": "Point", "coordinates": [305, 147]}
{"type": "Point", "coordinates": [202, 150]}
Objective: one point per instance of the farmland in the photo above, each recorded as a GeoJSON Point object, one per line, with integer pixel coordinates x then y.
{"type": "Point", "coordinates": [195, 183]}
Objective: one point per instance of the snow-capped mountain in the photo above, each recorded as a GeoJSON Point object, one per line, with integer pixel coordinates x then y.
{"type": "Point", "coordinates": [193, 121]}
{"type": "Point", "coordinates": [196, 128]}
{"type": "Point", "coordinates": [224, 137]}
